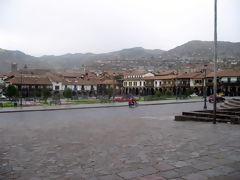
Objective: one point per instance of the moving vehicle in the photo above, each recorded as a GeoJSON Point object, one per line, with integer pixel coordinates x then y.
{"type": "Point", "coordinates": [218, 99]}
{"type": "Point", "coordinates": [132, 103]}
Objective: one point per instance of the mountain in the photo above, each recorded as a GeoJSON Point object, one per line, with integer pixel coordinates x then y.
{"type": "Point", "coordinates": [135, 53]}
{"type": "Point", "coordinates": [204, 49]}
{"type": "Point", "coordinates": [191, 50]}
{"type": "Point", "coordinates": [7, 57]}
{"type": "Point", "coordinates": [68, 61]}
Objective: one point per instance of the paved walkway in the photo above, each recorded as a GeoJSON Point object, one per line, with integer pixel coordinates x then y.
{"type": "Point", "coordinates": [85, 106]}
{"type": "Point", "coordinates": [143, 143]}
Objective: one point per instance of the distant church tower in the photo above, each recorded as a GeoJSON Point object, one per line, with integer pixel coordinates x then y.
{"type": "Point", "coordinates": [14, 68]}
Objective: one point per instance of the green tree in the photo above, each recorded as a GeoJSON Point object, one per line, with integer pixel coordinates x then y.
{"type": "Point", "coordinates": [38, 93]}
{"type": "Point", "coordinates": [68, 93]}
{"type": "Point", "coordinates": [158, 93]}
{"type": "Point", "coordinates": [45, 93]}
{"type": "Point", "coordinates": [117, 77]}
{"type": "Point", "coordinates": [11, 91]}
{"type": "Point", "coordinates": [109, 92]}
{"type": "Point", "coordinates": [168, 93]}
{"type": "Point", "coordinates": [188, 92]}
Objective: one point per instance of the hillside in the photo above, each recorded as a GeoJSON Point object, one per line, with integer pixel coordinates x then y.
{"type": "Point", "coordinates": [68, 61]}
{"type": "Point", "coordinates": [204, 49]}
{"type": "Point", "coordinates": [191, 50]}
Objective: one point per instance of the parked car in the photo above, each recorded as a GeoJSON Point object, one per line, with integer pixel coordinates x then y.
{"type": "Point", "coordinates": [124, 99]}
{"type": "Point", "coordinates": [218, 99]}
{"type": "Point", "coordinates": [2, 96]}
{"type": "Point", "coordinates": [193, 95]}
{"type": "Point", "coordinates": [221, 94]}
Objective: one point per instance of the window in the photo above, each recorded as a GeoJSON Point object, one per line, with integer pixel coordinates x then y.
{"type": "Point", "coordinates": [233, 79]}
{"type": "Point", "coordinates": [56, 87]}
{"type": "Point", "coordinates": [224, 79]}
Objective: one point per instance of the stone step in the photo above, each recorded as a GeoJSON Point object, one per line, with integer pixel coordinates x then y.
{"type": "Point", "coordinates": [231, 104]}
{"type": "Point", "coordinates": [237, 113]}
{"type": "Point", "coordinates": [201, 119]}
{"type": "Point", "coordinates": [225, 106]}
{"type": "Point", "coordinates": [234, 101]}
{"type": "Point", "coordinates": [211, 115]}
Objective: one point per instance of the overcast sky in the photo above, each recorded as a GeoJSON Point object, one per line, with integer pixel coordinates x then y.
{"type": "Point", "coordinates": [40, 27]}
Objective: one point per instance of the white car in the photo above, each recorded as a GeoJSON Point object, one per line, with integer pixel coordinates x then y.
{"type": "Point", "coordinates": [2, 96]}
{"type": "Point", "coordinates": [193, 95]}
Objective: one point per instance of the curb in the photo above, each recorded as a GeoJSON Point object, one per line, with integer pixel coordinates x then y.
{"type": "Point", "coordinates": [93, 107]}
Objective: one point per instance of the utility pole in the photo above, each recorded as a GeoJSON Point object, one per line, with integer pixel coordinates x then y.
{"type": "Point", "coordinates": [205, 92]}
{"type": "Point", "coordinates": [215, 63]}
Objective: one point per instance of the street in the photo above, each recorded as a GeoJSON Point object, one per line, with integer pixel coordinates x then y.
{"type": "Point", "coordinates": [117, 143]}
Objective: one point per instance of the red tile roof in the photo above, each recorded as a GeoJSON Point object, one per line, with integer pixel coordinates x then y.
{"type": "Point", "coordinates": [30, 80]}
{"type": "Point", "coordinates": [225, 73]}
{"type": "Point", "coordinates": [190, 75]}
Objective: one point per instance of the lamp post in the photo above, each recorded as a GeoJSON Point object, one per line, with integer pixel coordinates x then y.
{"type": "Point", "coordinates": [21, 91]}
{"type": "Point", "coordinates": [215, 63]}
{"type": "Point", "coordinates": [204, 91]}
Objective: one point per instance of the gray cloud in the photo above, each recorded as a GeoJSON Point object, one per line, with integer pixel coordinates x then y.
{"type": "Point", "coordinates": [56, 27]}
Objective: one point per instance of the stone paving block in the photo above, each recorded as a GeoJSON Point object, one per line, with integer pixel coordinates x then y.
{"type": "Point", "coordinates": [164, 167]}
{"type": "Point", "coordinates": [223, 161]}
{"type": "Point", "coordinates": [234, 165]}
{"type": "Point", "coordinates": [204, 165]}
{"type": "Point", "coordinates": [193, 161]}
{"type": "Point", "coordinates": [219, 178]}
{"type": "Point", "coordinates": [234, 176]}
{"type": "Point", "coordinates": [195, 176]}
{"type": "Point", "coordinates": [185, 170]}
{"type": "Point", "coordinates": [146, 171]}
{"type": "Point", "coordinates": [152, 177]}
{"type": "Point", "coordinates": [234, 157]}
{"type": "Point", "coordinates": [169, 174]}
{"type": "Point", "coordinates": [224, 169]}
{"type": "Point", "coordinates": [180, 164]}
{"type": "Point", "coordinates": [35, 178]}
{"type": "Point", "coordinates": [92, 178]}
{"type": "Point", "coordinates": [207, 159]}
{"type": "Point", "coordinates": [109, 177]}
{"type": "Point", "coordinates": [129, 174]}
{"type": "Point", "coordinates": [211, 172]}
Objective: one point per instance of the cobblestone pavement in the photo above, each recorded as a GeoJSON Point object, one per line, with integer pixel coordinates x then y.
{"type": "Point", "coordinates": [143, 143]}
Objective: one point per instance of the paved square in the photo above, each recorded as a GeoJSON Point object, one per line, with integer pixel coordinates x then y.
{"type": "Point", "coordinates": [117, 143]}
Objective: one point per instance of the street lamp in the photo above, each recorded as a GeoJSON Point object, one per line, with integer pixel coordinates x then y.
{"type": "Point", "coordinates": [204, 91]}
{"type": "Point", "coordinates": [21, 91]}
{"type": "Point", "coordinates": [215, 63]}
